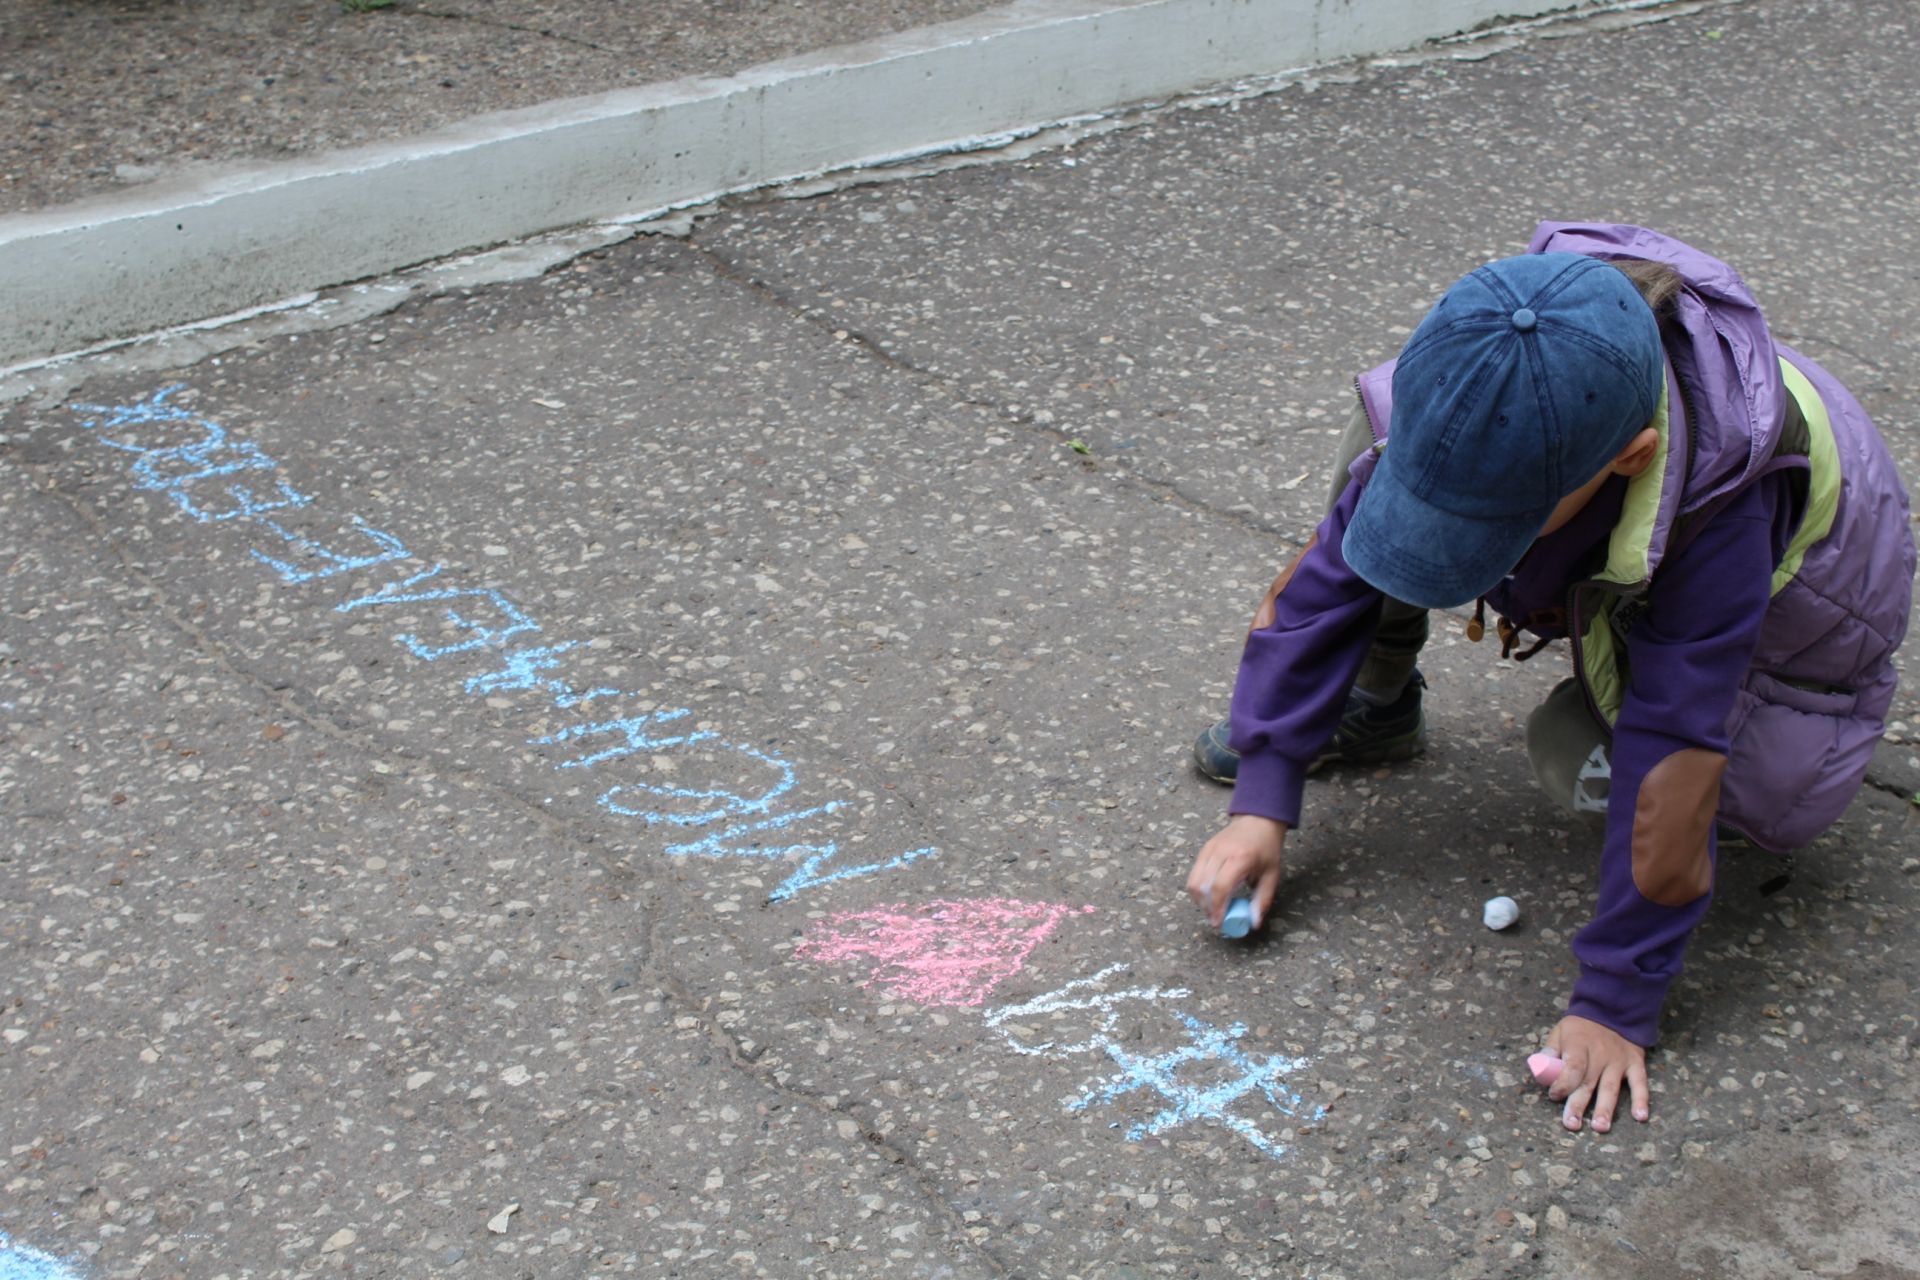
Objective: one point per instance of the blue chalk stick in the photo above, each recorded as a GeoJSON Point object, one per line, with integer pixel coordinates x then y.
{"type": "Point", "coordinates": [1238, 922]}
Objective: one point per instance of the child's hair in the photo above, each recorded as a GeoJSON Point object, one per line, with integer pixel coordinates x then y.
{"type": "Point", "coordinates": [1657, 282]}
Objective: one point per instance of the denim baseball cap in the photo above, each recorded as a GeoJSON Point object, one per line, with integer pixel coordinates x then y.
{"type": "Point", "coordinates": [1522, 383]}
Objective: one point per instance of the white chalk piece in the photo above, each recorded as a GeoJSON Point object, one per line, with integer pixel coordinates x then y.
{"type": "Point", "coordinates": [1499, 913]}
{"type": "Point", "coordinates": [1238, 922]}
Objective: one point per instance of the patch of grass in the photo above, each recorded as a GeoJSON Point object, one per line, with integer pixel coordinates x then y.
{"type": "Point", "coordinates": [365, 6]}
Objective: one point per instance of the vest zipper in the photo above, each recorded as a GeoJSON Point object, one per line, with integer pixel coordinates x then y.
{"type": "Point", "coordinates": [1372, 426]}
{"type": "Point", "coordinates": [1576, 622]}
{"type": "Point", "coordinates": [1577, 634]}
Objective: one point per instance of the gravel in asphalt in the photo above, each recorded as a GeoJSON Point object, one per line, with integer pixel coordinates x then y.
{"type": "Point", "coordinates": [702, 758]}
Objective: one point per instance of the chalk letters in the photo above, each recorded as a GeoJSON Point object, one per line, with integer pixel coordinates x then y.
{"type": "Point", "coordinates": [332, 561]}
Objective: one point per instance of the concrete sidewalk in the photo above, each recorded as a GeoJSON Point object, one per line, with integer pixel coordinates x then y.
{"type": "Point", "coordinates": [213, 241]}
{"type": "Point", "coordinates": [678, 766]}
{"type": "Point", "coordinates": [97, 99]}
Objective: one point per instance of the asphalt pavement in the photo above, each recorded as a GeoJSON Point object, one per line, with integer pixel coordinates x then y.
{"type": "Point", "coordinates": [679, 766]}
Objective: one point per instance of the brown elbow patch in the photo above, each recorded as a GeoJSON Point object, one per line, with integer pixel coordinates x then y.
{"type": "Point", "coordinates": [1263, 616]}
{"type": "Point", "coordinates": [1672, 820]}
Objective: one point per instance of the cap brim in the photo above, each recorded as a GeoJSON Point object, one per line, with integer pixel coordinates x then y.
{"type": "Point", "coordinates": [1417, 553]}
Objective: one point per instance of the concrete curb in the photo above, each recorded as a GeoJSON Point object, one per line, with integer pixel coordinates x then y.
{"type": "Point", "coordinates": [82, 274]}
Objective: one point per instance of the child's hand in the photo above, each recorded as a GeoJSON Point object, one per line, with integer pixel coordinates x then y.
{"type": "Point", "coordinates": [1246, 851]}
{"type": "Point", "coordinates": [1595, 1060]}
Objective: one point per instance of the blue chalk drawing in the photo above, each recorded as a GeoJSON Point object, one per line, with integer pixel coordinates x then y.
{"type": "Point", "coordinates": [1187, 1102]}
{"type": "Point", "coordinates": [729, 804]}
{"type": "Point", "coordinates": [22, 1262]}
{"type": "Point", "coordinates": [633, 730]}
{"type": "Point", "coordinates": [523, 665]}
{"type": "Point", "coordinates": [336, 562]}
{"type": "Point", "coordinates": [116, 416]}
{"type": "Point", "coordinates": [736, 840]}
{"type": "Point", "coordinates": [806, 878]}
{"type": "Point", "coordinates": [395, 593]}
{"type": "Point", "coordinates": [172, 468]}
{"type": "Point", "coordinates": [1064, 1000]}
{"type": "Point", "coordinates": [203, 459]}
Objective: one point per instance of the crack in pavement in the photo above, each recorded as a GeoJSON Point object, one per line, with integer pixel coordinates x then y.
{"type": "Point", "coordinates": [1122, 470]}
{"type": "Point", "coordinates": [1892, 789]}
{"type": "Point", "coordinates": [675, 990]}
{"type": "Point", "coordinates": [651, 960]}
{"type": "Point", "coordinates": [295, 705]}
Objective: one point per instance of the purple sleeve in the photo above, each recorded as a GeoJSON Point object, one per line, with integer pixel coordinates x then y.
{"type": "Point", "coordinates": [1295, 674]}
{"type": "Point", "coordinates": [1687, 655]}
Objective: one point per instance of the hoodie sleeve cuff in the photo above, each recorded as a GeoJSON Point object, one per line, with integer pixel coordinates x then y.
{"type": "Point", "coordinates": [1269, 786]}
{"type": "Point", "coordinates": [1628, 1005]}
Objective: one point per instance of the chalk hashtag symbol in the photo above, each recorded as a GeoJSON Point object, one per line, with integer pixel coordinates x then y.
{"type": "Point", "coordinates": [1209, 1046]}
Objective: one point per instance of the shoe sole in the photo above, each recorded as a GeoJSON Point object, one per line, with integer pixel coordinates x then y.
{"type": "Point", "coordinates": [1395, 752]}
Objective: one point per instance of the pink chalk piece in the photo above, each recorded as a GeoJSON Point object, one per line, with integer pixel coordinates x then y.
{"type": "Point", "coordinates": [1545, 1066]}
{"type": "Point", "coordinates": [941, 952]}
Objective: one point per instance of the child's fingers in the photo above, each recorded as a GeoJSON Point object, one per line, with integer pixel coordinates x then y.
{"type": "Point", "coordinates": [1637, 1090]}
{"type": "Point", "coordinates": [1606, 1099]}
{"type": "Point", "coordinates": [1263, 894]}
{"type": "Point", "coordinates": [1576, 1107]}
{"type": "Point", "coordinates": [1211, 884]}
{"type": "Point", "coordinates": [1200, 879]}
{"type": "Point", "coordinates": [1573, 1073]}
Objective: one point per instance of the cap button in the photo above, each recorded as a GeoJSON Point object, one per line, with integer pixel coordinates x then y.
{"type": "Point", "coordinates": [1524, 320]}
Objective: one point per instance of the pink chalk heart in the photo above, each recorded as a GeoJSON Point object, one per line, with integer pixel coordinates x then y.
{"type": "Point", "coordinates": [941, 952]}
{"type": "Point", "coordinates": [1545, 1066]}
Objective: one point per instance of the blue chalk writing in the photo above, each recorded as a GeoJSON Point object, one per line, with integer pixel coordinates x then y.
{"type": "Point", "coordinates": [335, 562]}
{"type": "Point", "coordinates": [297, 558]}
{"type": "Point", "coordinates": [153, 409]}
{"type": "Point", "coordinates": [521, 668]}
{"type": "Point", "coordinates": [735, 841]}
{"type": "Point", "coordinates": [633, 730]}
{"type": "Point", "coordinates": [1190, 1102]}
{"type": "Point", "coordinates": [203, 459]}
{"type": "Point", "coordinates": [731, 805]}
{"type": "Point", "coordinates": [21, 1262]}
{"type": "Point", "coordinates": [206, 459]}
{"type": "Point", "coordinates": [396, 593]}
{"type": "Point", "coordinates": [806, 877]}
{"type": "Point", "coordinates": [727, 843]}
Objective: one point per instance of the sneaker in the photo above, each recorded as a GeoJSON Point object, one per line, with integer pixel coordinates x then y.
{"type": "Point", "coordinates": [1367, 735]}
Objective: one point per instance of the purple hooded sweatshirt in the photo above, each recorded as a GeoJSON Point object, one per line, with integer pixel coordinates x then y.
{"type": "Point", "coordinates": [1784, 669]}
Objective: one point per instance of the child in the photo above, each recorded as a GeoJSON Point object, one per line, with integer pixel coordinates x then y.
{"type": "Point", "coordinates": [1601, 440]}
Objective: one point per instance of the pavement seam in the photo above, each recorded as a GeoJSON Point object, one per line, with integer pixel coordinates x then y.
{"type": "Point", "coordinates": [313, 715]}
{"type": "Point", "coordinates": [139, 262]}
{"type": "Point", "coordinates": [651, 960]}
{"type": "Point", "coordinates": [1125, 471]}
{"type": "Point", "coordinates": [1893, 789]}
{"type": "Point", "coordinates": [678, 992]}
{"type": "Point", "coordinates": [1120, 469]}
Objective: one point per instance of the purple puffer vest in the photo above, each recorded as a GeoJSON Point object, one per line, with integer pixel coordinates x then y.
{"type": "Point", "coordinates": [1814, 704]}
